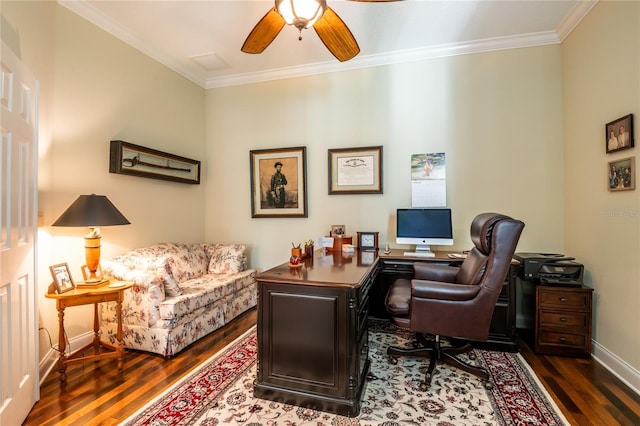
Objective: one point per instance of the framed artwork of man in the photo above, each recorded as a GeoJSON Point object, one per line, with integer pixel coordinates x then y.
{"type": "Point", "coordinates": [278, 182]}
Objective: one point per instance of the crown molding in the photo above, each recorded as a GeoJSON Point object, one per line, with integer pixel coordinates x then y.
{"type": "Point", "coordinates": [91, 14]}
{"type": "Point", "coordinates": [571, 21]}
{"type": "Point", "coordinates": [389, 58]}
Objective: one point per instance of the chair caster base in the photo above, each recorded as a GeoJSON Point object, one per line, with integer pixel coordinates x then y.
{"type": "Point", "coordinates": [424, 386]}
{"type": "Point", "coordinates": [488, 385]}
{"type": "Point", "coordinates": [393, 360]}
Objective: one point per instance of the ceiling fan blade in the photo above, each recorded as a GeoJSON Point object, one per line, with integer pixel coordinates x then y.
{"type": "Point", "coordinates": [336, 36]}
{"type": "Point", "coordinates": [264, 32]}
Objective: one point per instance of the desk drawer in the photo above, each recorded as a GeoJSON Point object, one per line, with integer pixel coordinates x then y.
{"type": "Point", "coordinates": [554, 298]}
{"type": "Point", "coordinates": [565, 319]}
{"type": "Point", "coordinates": [546, 337]}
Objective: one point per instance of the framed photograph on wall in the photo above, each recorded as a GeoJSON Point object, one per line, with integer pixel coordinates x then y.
{"type": "Point", "coordinates": [622, 174]}
{"type": "Point", "coordinates": [278, 182]}
{"type": "Point", "coordinates": [355, 170]}
{"type": "Point", "coordinates": [619, 134]}
{"type": "Point", "coordinates": [62, 277]}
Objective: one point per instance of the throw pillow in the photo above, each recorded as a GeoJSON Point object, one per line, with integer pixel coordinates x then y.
{"type": "Point", "coordinates": [187, 262]}
{"type": "Point", "coordinates": [227, 258]}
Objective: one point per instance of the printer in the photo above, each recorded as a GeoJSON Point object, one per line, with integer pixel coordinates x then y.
{"type": "Point", "coordinates": [550, 268]}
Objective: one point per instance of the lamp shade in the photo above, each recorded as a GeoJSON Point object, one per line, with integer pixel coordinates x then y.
{"type": "Point", "coordinates": [92, 211]}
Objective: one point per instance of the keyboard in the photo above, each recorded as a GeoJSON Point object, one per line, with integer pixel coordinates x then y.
{"type": "Point", "coordinates": [420, 253]}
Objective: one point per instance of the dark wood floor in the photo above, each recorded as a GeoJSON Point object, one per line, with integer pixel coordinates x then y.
{"type": "Point", "coordinates": [96, 394]}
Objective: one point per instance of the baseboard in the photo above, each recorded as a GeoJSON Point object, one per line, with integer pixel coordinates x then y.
{"type": "Point", "coordinates": [50, 360]}
{"type": "Point", "coordinates": [618, 367]}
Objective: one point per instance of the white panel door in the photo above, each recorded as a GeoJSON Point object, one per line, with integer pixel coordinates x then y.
{"type": "Point", "coordinates": [19, 383]}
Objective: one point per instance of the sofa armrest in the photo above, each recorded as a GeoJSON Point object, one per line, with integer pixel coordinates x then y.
{"type": "Point", "coordinates": [141, 304]}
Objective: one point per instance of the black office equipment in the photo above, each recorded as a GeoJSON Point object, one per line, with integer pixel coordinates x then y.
{"type": "Point", "coordinates": [530, 263]}
{"type": "Point", "coordinates": [561, 273]}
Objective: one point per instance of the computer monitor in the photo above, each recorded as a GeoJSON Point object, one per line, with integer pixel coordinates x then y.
{"type": "Point", "coordinates": [424, 227]}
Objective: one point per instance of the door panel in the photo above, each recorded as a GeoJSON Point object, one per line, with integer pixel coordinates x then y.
{"type": "Point", "coordinates": [19, 384]}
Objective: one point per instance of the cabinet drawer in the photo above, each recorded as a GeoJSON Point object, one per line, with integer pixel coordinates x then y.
{"type": "Point", "coordinates": [546, 337]}
{"type": "Point", "coordinates": [567, 299]}
{"type": "Point", "coordinates": [567, 319]}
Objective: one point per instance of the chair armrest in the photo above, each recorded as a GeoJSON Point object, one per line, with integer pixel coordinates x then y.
{"type": "Point", "coordinates": [444, 273]}
{"type": "Point", "coordinates": [443, 291]}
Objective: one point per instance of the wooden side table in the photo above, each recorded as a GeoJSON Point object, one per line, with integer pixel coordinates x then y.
{"type": "Point", "coordinates": [112, 292]}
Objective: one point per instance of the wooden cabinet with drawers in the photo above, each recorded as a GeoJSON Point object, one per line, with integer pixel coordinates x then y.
{"type": "Point", "coordinates": [563, 321]}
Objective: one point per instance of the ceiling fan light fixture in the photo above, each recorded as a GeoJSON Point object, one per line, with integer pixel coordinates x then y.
{"type": "Point", "coordinates": [301, 13]}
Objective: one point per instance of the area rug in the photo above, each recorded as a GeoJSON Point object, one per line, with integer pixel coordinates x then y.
{"type": "Point", "coordinates": [220, 392]}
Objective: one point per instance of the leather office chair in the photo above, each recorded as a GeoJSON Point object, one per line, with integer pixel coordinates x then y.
{"type": "Point", "coordinates": [455, 302]}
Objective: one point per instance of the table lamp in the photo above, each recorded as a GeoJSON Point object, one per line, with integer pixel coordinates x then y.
{"type": "Point", "coordinates": [92, 211]}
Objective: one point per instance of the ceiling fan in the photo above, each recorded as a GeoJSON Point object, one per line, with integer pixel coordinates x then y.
{"type": "Point", "coordinates": [302, 14]}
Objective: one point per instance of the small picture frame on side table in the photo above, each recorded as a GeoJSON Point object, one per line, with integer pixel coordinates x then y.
{"type": "Point", "coordinates": [62, 277]}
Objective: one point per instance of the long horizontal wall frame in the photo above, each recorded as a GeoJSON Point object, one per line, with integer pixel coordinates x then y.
{"type": "Point", "coordinates": [129, 159]}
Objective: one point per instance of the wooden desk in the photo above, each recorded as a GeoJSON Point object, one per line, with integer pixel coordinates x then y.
{"type": "Point", "coordinates": [312, 328]}
{"type": "Point", "coordinates": [86, 296]}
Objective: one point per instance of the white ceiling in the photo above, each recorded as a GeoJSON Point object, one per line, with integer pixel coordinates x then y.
{"type": "Point", "coordinates": [178, 32]}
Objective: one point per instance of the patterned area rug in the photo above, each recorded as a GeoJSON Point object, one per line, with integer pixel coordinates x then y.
{"type": "Point", "coordinates": [220, 392]}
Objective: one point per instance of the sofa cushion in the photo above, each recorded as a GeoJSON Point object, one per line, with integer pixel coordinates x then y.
{"type": "Point", "coordinates": [186, 261]}
{"type": "Point", "coordinates": [203, 291]}
{"type": "Point", "coordinates": [226, 258]}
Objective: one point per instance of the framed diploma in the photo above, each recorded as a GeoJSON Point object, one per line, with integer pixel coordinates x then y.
{"type": "Point", "coordinates": [355, 170]}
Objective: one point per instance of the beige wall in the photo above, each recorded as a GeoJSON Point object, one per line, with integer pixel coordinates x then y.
{"type": "Point", "coordinates": [502, 118]}
{"type": "Point", "coordinates": [497, 116]}
{"type": "Point", "coordinates": [96, 88]}
{"type": "Point", "coordinates": [601, 70]}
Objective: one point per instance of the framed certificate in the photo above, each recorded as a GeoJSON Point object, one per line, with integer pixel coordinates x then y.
{"type": "Point", "coordinates": [355, 170]}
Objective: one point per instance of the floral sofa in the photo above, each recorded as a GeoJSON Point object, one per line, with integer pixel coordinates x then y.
{"type": "Point", "coordinates": [181, 293]}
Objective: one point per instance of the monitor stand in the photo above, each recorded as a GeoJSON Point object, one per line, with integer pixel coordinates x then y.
{"type": "Point", "coordinates": [421, 251]}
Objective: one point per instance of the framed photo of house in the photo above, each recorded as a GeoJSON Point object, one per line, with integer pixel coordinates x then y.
{"type": "Point", "coordinates": [619, 134]}
{"type": "Point", "coordinates": [278, 182]}
{"type": "Point", "coordinates": [622, 174]}
{"type": "Point", "coordinates": [62, 277]}
{"type": "Point", "coordinates": [355, 170]}
{"type": "Point", "coordinates": [129, 159]}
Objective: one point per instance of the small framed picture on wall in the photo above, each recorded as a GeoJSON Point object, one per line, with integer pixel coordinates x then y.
{"type": "Point", "coordinates": [622, 174]}
{"type": "Point", "coordinates": [619, 134]}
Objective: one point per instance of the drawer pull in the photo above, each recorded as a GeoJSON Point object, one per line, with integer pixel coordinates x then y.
{"type": "Point", "coordinates": [563, 299]}
{"type": "Point", "coordinates": [563, 319]}
{"type": "Point", "coordinates": [563, 339]}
